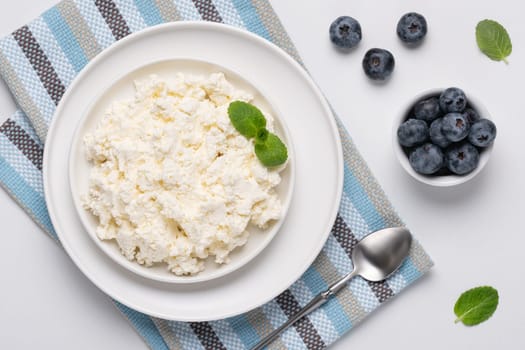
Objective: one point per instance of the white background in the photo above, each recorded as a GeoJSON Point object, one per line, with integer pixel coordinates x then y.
{"type": "Point", "coordinates": [473, 231]}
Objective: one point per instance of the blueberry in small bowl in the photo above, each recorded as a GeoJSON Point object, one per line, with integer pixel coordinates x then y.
{"type": "Point", "coordinates": [427, 110]}
{"type": "Point", "coordinates": [462, 159]}
{"type": "Point", "coordinates": [427, 159]}
{"type": "Point", "coordinates": [455, 126]}
{"type": "Point", "coordinates": [412, 132]}
{"type": "Point", "coordinates": [436, 134]}
{"type": "Point", "coordinates": [443, 137]}
{"type": "Point", "coordinates": [482, 133]}
{"type": "Point", "coordinates": [452, 100]}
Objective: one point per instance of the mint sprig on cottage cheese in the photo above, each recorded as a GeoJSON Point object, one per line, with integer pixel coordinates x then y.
{"type": "Point", "coordinates": [250, 122]}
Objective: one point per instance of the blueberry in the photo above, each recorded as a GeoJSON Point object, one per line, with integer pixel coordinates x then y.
{"type": "Point", "coordinates": [452, 100]}
{"type": "Point", "coordinates": [455, 126]}
{"type": "Point", "coordinates": [462, 159]}
{"type": "Point", "coordinates": [345, 32]}
{"type": "Point", "coordinates": [427, 110]}
{"type": "Point", "coordinates": [378, 64]}
{"type": "Point", "coordinates": [412, 132]}
{"type": "Point", "coordinates": [436, 135]}
{"type": "Point", "coordinates": [427, 159]}
{"type": "Point", "coordinates": [471, 115]}
{"type": "Point", "coordinates": [482, 133]}
{"type": "Point", "coordinates": [411, 28]}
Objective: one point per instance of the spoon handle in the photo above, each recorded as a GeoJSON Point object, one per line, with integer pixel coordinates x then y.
{"type": "Point", "coordinates": [316, 302]}
{"type": "Point", "coordinates": [319, 300]}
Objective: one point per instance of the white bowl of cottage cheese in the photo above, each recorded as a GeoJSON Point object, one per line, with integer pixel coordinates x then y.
{"type": "Point", "coordinates": [163, 182]}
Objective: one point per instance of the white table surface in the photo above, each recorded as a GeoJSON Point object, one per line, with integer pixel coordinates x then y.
{"type": "Point", "coordinates": [47, 303]}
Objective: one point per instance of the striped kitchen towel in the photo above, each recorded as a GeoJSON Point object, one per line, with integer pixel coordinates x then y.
{"type": "Point", "coordinates": [40, 60]}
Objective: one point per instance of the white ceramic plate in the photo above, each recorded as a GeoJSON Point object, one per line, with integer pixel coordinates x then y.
{"type": "Point", "coordinates": [318, 166]}
{"type": "Point", "coordinates": [122, 89]}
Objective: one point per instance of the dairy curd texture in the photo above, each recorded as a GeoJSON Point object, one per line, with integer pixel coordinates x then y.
{"type": "Point", "coordinates": [171, 180]}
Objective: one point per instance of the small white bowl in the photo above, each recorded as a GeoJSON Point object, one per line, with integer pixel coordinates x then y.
{"type": "Point", "coordinates": [438, 180]}
{"type": "Point", "coordinates": [79, 170]}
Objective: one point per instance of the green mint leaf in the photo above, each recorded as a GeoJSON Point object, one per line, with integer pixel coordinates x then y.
{"type": "Point", "coordinates": [493, 40]}
{"type": "Point", "coordinates": [246, 118]}
{"type": "Point", "coordinates": [271, 152]}
{"type": "Point", "coordinates": [476, 305]}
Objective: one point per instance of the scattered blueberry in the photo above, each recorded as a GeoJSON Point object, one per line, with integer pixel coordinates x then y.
{"type": "Point", "coordinates": [462, 159]}
{"type": "Point", "coordinates": [345, 32]}
{"type": "Point", "coordinates": [426, 159]}
{"type": "Point", "coordinates": [482, 133]}
{"type": "Point", "coordinates": [452, 100]}
{"type": "Point", "coordinates": [436, 135]}
{"type": "Point", "coordinates": [378, 64]}
{"type": "Point", "coordinates": [471, 115]}
{"type": "Point", "coordinates": [411, 28]}
{"type": "Point", "coordinates": [455, 126]}
{"type": "Point", "coordinates": [427, 110]}
{"type": "Point", "coordinates": [412, 132]}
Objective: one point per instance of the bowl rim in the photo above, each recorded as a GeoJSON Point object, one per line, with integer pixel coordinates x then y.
{"type": "Point", "coordinates": [142, 270]}
{"type": "Point", "coordinates": [442, 180]}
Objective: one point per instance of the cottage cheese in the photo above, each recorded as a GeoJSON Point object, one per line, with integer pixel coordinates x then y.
{"type": "Point", "coordinates": [172, 181]}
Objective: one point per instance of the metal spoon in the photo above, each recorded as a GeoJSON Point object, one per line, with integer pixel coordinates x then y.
{"type": "Point", "coordinates": [375, 257]}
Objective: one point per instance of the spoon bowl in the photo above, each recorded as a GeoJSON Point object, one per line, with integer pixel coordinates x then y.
{"type": "Point", "coordinates": [379, 254]}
